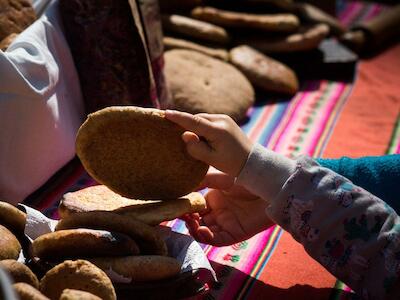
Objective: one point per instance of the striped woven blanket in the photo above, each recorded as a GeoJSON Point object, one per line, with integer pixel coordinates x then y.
{"type": "Point", "coordinates": [326, 118]}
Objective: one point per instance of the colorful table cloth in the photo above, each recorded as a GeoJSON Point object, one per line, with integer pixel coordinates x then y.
{"type": "Point", "coordinates": [324, 119]}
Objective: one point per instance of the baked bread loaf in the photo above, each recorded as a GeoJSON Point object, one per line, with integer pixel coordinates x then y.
{"type": "Point", "coordinates": [307, 38]}
{"type": "Point", "coordinates": [12, 218]}
{"type": "Point", "coordinates": [9, 245]}
{"type": "Point", "coordinates": [209, 85]}
{"type": "Point", "coordinates": [140, 268]}
{"type": "Point", "coordinates": [138, 153]}
{"type": "Point", "coordinates": [174, 43]}
{"type": "Point", "coordinates": [263, 71]}
{"type": "Point", "coordinates": [94, 198]}
{"type": "Point", "coordinates": [69, 294]}
{"type": "Point", "coordinates": [6, 42]}
{"type": "Point", "coordinates": [79, 275]}
{"type": "Point", "coordinates": [155, 213]}
{"type": "Point", "coordinates": [100, 198]}
{"type": "Point", "coordinates": [78, 243]}
{"type": "Point", "coordinates": [146, 236]}
{"type": "Point", "coordinates": [28, 292]}
{"type": "Point", "coordinates": [195, 29]}
{"type": "Point", "coordinates": [19, 272]}
{"type": "Point", "coordinates": [15, 16]}
{"type": "Point", "coordinates": [272, 23]}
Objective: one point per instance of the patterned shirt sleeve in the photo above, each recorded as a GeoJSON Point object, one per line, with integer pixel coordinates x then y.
{"type": "Point", "coordinates": [352, 233]}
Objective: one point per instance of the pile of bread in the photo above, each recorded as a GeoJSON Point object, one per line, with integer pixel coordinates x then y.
{"type": "Point", "coordinates": [104, 238]}
{"type": "Point", "coordinates": [219, 50]}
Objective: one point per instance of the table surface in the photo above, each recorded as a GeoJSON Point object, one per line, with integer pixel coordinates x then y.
{"type": "Point", "coordinates": [324, 119]}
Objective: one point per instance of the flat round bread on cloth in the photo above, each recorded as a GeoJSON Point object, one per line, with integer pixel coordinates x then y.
{"type": "Point", "coordinates": [306, 39]}
{"type": "Point", "coordinates": [74, 243]}
{"type": "Point", "coordinates": [148, 239]}
{"type": "Point", "coordinates": [19, 272]}
{"type": "Point", "coordinates": [12, 218]}
{"type": "Point", "coordinates": [139, 268]}
{"type": "Point", "coordinates": [9, 245]}
{"type": "Point", "coordinates": [28, 292]}
{"type": "Point", "coordinates": [69, 294]}
{"type": "Point", "coordinates": [152, 212]}
{"type": "Point", "coordinates": [80, 275]}
{"type": "Point", "coordinates": [138, 153]}
{"type": "Point", "coordinates": [195, 28]}
{"type": "Point", "coordinates": [199, 83]}
{"type": "Point", "coordinates": [174, 43]}
{"type": "Point", "coordinates": [267, 22]}
{"type": "Point", "coordinates": [263, 71]}
{"type": "Point", "coordinates": [93, 198]}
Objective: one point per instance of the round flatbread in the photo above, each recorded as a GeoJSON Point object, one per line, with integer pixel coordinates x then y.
{"type": "Point", "coordinates": [16, 15]}
{"type": "Point", "coordinates": [6, 42]}
{"type": "Point", "coordinates": [146, 236]}
{"type": "Point", "coordinates": [12, 218]}
{"type": "Point", "coordinates": [138, 153]}
{"type": "Point", "coordinates": [195, 29]}
{"type": "Point", "coordinates": [263, 71]}
{"type": "Point", "coordinates": [75, 243]}
{"type": "Point", "coordinates": [19, 272]}
{"type": "Point", "coordinates": [9, 244]}
{"type": "Point", "coordinates": [199, 83]}
{"type": "Point", "coordinates": [306, 39]}
{"type": "Point", "coordinates": [28, 292]}
{"type": "Point", "coordinates": [79, 275]}
{"type": "Point", "coordinates": [100, 197]}
{"type": "Point", "coordinates": [271, 22]}
{"type": "Point", "coordinates": [139, 268]}
{"type": "Point", "coordinates": [69, 294]}
{"type": "Point", "coordinates": [174, 43]}
{"type": "Point", "coordinates": [92, 198]}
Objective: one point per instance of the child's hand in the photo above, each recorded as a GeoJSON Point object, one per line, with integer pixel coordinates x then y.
{"type": "Point", "coordinates": [215, 179]}
{"type": "Point", "coordinates": [233, 214]}
{"type": "Point", "coordinates": [214, 139]}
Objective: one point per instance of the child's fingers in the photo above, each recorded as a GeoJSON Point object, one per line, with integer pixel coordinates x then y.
{"type": "Point", "coordinates": [198, 149]}
{"type": "Point", "coordinates": [213, 236]}
{"type": "Point", "coordinates": [190, 137]}
{"type": "Point", "coordinates": [209, 117]}
{"type": "Point", "coordinates": [204, 235]}
{"type": "Point", "coordinates": [198, 125]}
{"type": "Point", "coordinates": [192, 224]}
{"type": "Point", "coordinates": [218, 180]}
{"type": "Point", "coordinates": [212, 117]}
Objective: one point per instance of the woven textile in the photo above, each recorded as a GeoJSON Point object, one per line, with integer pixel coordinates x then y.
{"type": "Point", "coordinates": [326, 118]}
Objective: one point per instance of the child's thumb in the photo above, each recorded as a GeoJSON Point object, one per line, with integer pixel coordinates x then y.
{"type": "Point", "coordinates": [197, 148]}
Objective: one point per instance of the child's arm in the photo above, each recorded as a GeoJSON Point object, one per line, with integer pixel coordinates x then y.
{"type": "Point", "coordinates": [352, 233]}
{"type": "Point", "coordinates": [355, 235]}
{"type": "Point", "coordinates": [380, 175]}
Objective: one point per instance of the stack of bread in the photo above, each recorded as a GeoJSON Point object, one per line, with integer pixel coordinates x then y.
{"type": "Point", "coordinates": [210, 41]}
{"type": "Point", "coordinates": [107, 235]}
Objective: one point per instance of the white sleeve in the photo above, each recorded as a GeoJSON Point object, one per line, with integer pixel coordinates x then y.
{"type": "Point", "coordinates": [352, 233]}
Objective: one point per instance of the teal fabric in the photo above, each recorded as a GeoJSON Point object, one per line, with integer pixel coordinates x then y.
{"type": "Point", "coordinates": [380, 175]}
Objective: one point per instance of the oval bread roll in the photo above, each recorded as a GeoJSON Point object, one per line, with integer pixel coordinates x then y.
{"type": "Point", "coordinates": [138, 153]}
